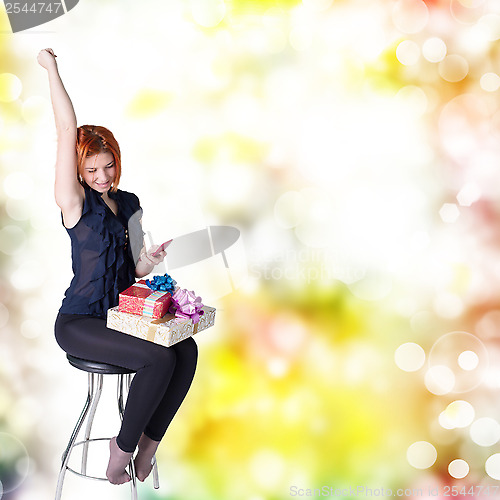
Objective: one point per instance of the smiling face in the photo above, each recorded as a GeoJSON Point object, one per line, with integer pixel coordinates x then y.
{"type": "Point", "coordinates": [99, 171]}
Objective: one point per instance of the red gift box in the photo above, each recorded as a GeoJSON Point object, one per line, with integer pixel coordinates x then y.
{"type": "Point", "coordinates": [141, 300]}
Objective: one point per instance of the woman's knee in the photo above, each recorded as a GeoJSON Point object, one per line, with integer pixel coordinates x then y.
{"type": "Point", "coordinates": [162, 358]}
{"type": "Point", "coordinates": [187, 350]}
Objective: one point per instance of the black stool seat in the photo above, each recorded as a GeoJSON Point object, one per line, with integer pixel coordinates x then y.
{"type": "Point", "coordinates": [97, 367]}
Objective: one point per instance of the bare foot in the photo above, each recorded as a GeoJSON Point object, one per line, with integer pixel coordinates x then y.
{"type": "Point", "coordinates": [118, 460]}
{"type": "Point", "coordinates": [144, 457]}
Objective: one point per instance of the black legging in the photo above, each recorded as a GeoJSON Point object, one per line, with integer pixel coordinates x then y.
{"type": "Point", "coordinates": [163, 377]}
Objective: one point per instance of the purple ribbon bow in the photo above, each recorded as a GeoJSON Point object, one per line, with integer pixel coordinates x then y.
{"type": "Point", "coordinates": [186, 305]}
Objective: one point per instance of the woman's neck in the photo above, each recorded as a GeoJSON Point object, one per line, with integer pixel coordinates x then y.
{"type": "Point", "coordinates": [105, 197]}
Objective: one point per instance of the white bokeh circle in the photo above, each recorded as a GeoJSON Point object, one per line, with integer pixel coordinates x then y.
{"type": "Point", "coordinates": [10, 87]}
{"type": "Point", "coordinates": [458, 351]}
{"type": "Point", "coordinates": [409, 357]}
{"type": "Point", "coordinates": [410, 16]}
{"type": "Point", "coordinates": [458, 468]}
{"type": "Point", "coordinates": [492, 466]}
{"type": "Point", "coordinates": [434, 49]}
{"type": "Point", "coordinates": [14, 462]}
{"type": "Point", "coordinates": [439, 380]}
{"type": "Point", "coordinates": [458, 414]}
{"type": "Point", "coordinates": [421, 455]}
{"type": "Point", "coordinates": [468, 360]}
{"type": "Point", "coordinates": [485, 431]}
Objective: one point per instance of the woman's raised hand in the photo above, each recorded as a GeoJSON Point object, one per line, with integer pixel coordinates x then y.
{"type": "Point", "coordinates": [46, 58]}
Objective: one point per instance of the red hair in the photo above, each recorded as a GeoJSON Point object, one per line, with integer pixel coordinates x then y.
{"type": "Point", "coordinates": [92, 140]}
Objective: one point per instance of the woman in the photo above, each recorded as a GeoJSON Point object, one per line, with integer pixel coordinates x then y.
{"type": "Point", "coordinates": [103, 223]}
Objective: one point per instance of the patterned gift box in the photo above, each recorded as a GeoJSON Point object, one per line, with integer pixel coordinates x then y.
{"type": "Point", "coordinates": [165, 331]}
{"type": "Point", "coordinates": [140, 300]}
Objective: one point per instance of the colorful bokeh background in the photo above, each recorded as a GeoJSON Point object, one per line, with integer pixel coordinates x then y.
{"type": "Point", "coordinates": [356, 146]}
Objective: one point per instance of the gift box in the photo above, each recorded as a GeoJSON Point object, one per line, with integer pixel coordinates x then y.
{"type": "Point", "coordinates": [165, 331]}
{"type": "Point", "coordinates": [140, 299]}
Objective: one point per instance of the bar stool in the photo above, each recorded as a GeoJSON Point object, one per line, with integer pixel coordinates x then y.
{"type": "Point", "coordinates": [94, 369]}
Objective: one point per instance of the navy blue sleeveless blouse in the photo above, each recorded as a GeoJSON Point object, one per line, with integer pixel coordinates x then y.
{"type": "Point", "coordinates": [103, 246]}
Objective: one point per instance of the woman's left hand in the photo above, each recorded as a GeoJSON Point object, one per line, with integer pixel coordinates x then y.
{"type": "Point", "coordinates": [154, 259]}
{"type": "Point", "coordinates": [147, 261]}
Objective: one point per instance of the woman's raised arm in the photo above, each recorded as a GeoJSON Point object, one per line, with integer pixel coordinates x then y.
{"type": "Point", "coordinates": [68, 191]}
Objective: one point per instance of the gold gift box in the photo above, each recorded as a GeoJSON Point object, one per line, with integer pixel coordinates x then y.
{"type": "Point", "coordinates": [165, 331]}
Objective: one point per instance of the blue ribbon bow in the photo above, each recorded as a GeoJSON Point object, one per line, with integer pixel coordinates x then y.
{"type": "Point", "coordinates": [163, 283]}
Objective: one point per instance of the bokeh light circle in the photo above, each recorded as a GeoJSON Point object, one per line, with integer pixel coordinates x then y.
{"type": "Point", "coordinates": [453, 68]}
{"type": "Point", "coordinates": [444, 421]}
{"type": "Point", "coordinates": [413, 98]}
{"type": "Point", "coordinates": [439, 380]}
{"type": "Point", "coordinates": [489, 24]}
{"type": "Point", "coordinates": [267, 468]}
{"type": "Point", "coordinates": [434, 49]}
{"type": "Point", "coordinates": [469, 194]}
{"type": "Point", "coordinates": [458, 468]}
{"type": "Point", "coordinates": [449, 213]}
{"type": "Point", "coordinates": [468, 360]}
{"type": "Point", "coordinates": [446, 352]}
{"type": "Point", "coordinates": [465, 11]}
{"type": "Point", "coordinates": [488, 326]}
{"type": "Point", "coordinates": [421, 455]}
{"type": "Point", "coordinates": [409, 357]}
{"type": "Point", "coordinates": [18, 186]}
{"type": "Point", "coordinates": [490, 82]}
{"type": "Point", "coordinates": [410, 16]}
{"type": "Point", "coordinates": [18, 210]}
{"type": "Point", "coordinates": [408, 52]}
{"type": "Point", "coordinates": [471, 4]}
{"type": "Point", "coordinates": [31, 329]}
{"type": "Point", "coordinates": [14, 462]}
{"type": "Point", "coordinates": [492, 466]}
{"type": "Point", "coordinates": [10, 87]}
{"type": "Point", "coordinates": [12, 238]}
{"type": "Point", "coordinates": [459, 414]}
{"type": "Point", "coordinates": [485, 431]}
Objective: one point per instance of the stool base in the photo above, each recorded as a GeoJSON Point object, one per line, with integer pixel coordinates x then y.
{"type": "Point", "coordinates": [94, 393]}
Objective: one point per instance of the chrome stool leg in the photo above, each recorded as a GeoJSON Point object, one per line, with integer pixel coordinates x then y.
{"type": "Point", "coordinates": [133, 482]}
{"type": "Point", "coordinates": [90, 421]}
{"type": "Point", "coordinates": [156, 477]}
{"type": "Point", "coordinates": [76, 430]}
{"type": "Point", "coordinates": [121, 410]}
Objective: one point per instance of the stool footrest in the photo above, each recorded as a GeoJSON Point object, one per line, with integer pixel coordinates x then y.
{"type": "Point", "coordinates": [86, 475]}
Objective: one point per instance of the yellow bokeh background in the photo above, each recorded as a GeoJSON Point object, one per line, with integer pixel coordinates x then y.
{"type": "Point", "coordinates": [355, 146]}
